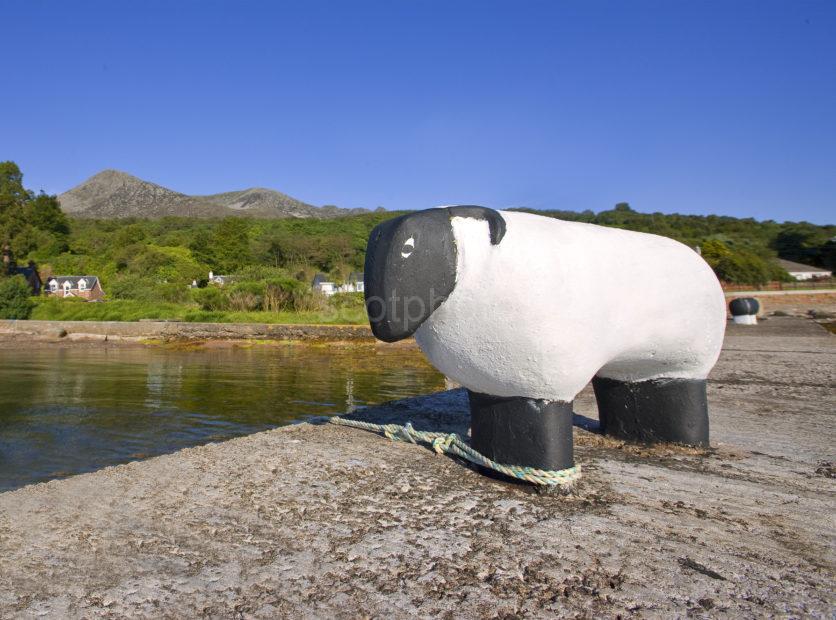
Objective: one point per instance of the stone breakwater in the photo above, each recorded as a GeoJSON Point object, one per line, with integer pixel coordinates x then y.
{"type": "Point", "coordinates": [124, 331]}
{"type": "Point", "coordinates": [325, 521]}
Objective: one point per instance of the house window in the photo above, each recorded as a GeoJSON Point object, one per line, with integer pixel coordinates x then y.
{"type": "Point", "coordinates": [53, 286]}
{"type": "Point", "coordinates": [67, 287]}
{"type": "Point", "coordinates": [82, 285]}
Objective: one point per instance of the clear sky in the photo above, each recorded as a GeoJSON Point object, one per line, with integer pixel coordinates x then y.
{"type": "Point", "coordinates": [694, 107]}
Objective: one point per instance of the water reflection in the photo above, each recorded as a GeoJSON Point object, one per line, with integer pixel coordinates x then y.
{"type": "Point", "coordinates": [69, 410]}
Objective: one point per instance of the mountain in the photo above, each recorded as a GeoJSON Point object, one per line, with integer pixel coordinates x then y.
{"type": "Point", "coordinates": [115, 194]}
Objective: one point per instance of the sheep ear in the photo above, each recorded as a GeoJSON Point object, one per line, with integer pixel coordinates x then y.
{"type": "Point", "coordinates": [496, 223]}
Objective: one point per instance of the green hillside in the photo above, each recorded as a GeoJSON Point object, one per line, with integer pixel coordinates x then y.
{"type": "Point", "coordinates": [148, 264]}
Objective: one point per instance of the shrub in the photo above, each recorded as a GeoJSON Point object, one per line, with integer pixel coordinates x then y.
{"type": "Point", "coordinates": [277, 295]}
{"type": "Point", "coordinates": [346, 300]}
{"type": "Point", "coordinates": [306, 300]}
{"type": "Point", "coordinates": [289, 294]}
{"type": "Point", "coordinates": [210, 298]}
{"type": "Point", "coordinates": [129, 286]}
{"type": "Point", "coordinates": [243, 301]}
{"type": "Point", "coordinates": [15, 300]}
{"type": "Point", "coordinates": [246, 296]}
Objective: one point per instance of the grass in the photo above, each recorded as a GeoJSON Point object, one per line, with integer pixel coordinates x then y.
{"type": "Point", "coordinates": [332, 316]}
{"type": "Point", "coordinates": [50, 309]}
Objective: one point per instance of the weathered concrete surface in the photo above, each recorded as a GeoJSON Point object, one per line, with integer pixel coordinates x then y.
{"type": "Point", "coordinates": [325, 521]}
{"type": "Point", "coordinates": [128, 331]}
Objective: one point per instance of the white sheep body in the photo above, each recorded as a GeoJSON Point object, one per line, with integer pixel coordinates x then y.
{"type": "Point", "coordinates": [557, 302]}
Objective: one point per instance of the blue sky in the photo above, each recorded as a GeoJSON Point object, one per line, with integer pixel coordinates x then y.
{"type": "Point", "coordinates": [693, 107]}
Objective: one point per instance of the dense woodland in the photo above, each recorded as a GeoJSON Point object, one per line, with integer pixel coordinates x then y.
{"type": "Point", "coordinates": [149, 264]}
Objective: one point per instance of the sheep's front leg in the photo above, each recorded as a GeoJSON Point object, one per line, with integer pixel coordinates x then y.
{"type": "Point", "coordinates": [656, 410]}
{"type": "Point", "coordinates": [522, 431]}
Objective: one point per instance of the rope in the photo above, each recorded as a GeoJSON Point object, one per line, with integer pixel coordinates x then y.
{"type": "Point", "coordinates": [444, 443]}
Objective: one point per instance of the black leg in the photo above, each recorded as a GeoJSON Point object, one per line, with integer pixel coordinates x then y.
{"type": "Point", "coordinates": [673, 410]}
{"type": "Point", "coordinates": [522, 431]}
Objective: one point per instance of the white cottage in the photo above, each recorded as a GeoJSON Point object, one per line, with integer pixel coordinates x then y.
{"type": "Point", "coordinates": [322, 284]}
{"type": "Point", "coordinates": [86, 287]}
{"type": "Point", "coordinates": [803, 272]}
{"type": "Point", "coordinates": [354, 284]}
{"type": "Point", "coordinates": [216, 278]}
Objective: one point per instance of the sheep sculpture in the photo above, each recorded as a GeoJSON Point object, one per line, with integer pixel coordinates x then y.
{"type": "Point", "coordinates": [525, 310]}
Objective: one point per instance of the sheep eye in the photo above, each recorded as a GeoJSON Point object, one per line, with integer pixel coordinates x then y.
{"type": "Point", "coordinates": [408, 247]}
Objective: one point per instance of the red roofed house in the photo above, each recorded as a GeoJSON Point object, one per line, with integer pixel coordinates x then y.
{"type": "Point", "coordinates": [85, 287]}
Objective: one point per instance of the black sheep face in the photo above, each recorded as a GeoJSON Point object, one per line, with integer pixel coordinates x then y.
{"type": "Point", "coordinates": [410, 270]}
{"type": "Point", "coordinates": [411, 267]}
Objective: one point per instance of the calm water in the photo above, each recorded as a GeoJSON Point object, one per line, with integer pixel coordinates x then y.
{"type": "Point", "coordinates": [68, 410]}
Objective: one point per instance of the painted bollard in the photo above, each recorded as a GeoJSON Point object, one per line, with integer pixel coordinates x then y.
{"type": "Point", "coordinates": [744, 310]}
{"type": "Point", "coordinates": [524, 310]}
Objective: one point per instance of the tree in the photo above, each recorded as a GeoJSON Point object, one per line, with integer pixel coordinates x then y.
{"type": "Point", "coordinates": [45, 213]}
{"type": "Point", "coordinates": [29, 223]}
{"type": "Point", "coordinates": [231, 244]}
{"type": "Point", "coordinates": [203, 248]}
{"type": "Point", "coordinates": [15, 301]}
{"type": "Point", "coordinates": [130, 234]}
{"type": "Point", "coordinates": [801, 242]}
{"type": "Point", "coordinates": [714, 251]}
{"type": "Point", "coordinates": [740, 266]}
{"type": "Point", "coordinates": [270, 250]}
{"type": "Point", "coordinates": [828, 255]}
{"type": "Point", "coordinates": [11, 185]}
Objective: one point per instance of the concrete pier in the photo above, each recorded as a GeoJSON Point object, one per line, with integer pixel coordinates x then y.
{"type": "Point", "coordinates": [325, 521]}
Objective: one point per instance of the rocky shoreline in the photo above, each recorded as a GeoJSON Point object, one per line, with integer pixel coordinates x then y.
{"type": "Point", "coordinates": [151, 332]}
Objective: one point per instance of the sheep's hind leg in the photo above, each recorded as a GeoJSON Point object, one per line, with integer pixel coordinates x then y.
{"type": "Point", "coordinates": [656, 410]}
{"type": "Point", "coordinates": [522, 431]}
